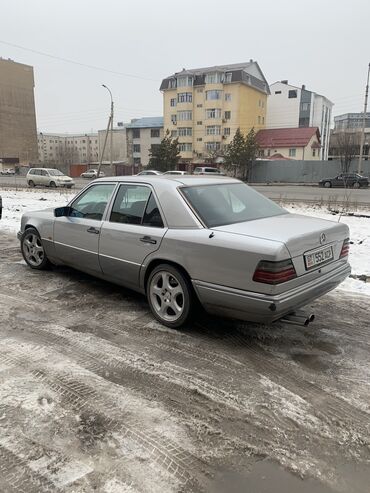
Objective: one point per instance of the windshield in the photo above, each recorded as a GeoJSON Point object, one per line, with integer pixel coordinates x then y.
{"type": "Point", "coordinates": [55, 172]}
{"type": "Point", "coordinates": [229, 203]}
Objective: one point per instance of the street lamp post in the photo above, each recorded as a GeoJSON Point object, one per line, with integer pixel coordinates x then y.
{"type": "Point", "coordinates": [363, 123]}
{"type": "Point", "coordinates": [109, 127]}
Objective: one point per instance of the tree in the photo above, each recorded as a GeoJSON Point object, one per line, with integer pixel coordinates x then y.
{"type": "Point", "coordinates": [241, 153]}
{"type": "Point", "coordinates": [345, 145]}
{"type": "Point", "coordinates": [164, 156]}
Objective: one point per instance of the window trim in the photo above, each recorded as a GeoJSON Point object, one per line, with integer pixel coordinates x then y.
{"type": "Point", "coordinates": [109, 203]}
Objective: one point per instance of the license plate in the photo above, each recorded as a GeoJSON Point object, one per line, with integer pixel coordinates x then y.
{"type": "Point", "coordinates": [318, 257]}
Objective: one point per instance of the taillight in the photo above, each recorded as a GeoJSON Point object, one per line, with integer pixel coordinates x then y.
{"type": "Point", "coordinates": [274, 272]}
{"type": "Point", "coordinates": [345, 248]}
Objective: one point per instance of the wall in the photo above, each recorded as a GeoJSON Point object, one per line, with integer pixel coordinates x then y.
{"type": "Point", "coordinates": [282, 112]}
{"type": "Point", "coordinates": [17, 112]}
{"type": "Point", "coordinates": [299, 171]}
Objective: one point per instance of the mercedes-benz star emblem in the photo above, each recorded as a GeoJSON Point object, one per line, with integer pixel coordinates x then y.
{"type": "Point", "coordinates": [322, 238]}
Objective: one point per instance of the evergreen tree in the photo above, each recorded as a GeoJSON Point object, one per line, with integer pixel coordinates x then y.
{"type": "Point", "coordinates": [164, 156]}
{"type": "Point", "coordinates": [241, 153]}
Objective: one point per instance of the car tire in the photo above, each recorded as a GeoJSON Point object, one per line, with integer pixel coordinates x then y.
{"type": "Point", "coordinates": [327, 184]}
{"type": "Point", "coordinates": [52, 184]}
{"type": "Point", "coordinates": [356, 185]}
{"type": "Point", "coordinates": [33, 250]}
{"type": "Point", "coordinates": [170, 296]}
{"type": "Point", "coordinates": [31, 184]}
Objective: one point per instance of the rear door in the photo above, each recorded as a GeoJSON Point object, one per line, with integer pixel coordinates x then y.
{"type": "Point", "coordinates": [134, 229]}
{"type": "Point", "coordinates": [76, 237]}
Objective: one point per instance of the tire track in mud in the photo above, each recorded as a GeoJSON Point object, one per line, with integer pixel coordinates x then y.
{"type": "Point", "coordinates": [19, 477]}
{"type": "Point", "coordinates": [336, 409]}
{"type": "Point", "coordinates": [82, 397]}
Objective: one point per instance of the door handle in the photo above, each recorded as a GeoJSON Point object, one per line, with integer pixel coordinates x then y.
{"type": "Point", "coordinates": [93, 230]}
{"type": "Point", "coordinates": [148, 239]}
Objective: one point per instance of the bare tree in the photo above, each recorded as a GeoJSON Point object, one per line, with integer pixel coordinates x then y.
{"type": "Point", "coordinates": [345, 146]}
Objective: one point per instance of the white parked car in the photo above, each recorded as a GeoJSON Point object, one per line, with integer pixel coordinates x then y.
{"type": "Point", "coordinates": [7, 171]}
{"type": "Point", "coordinates": [92, 173]}
{"type": "Point", "coordinates": [48, 177]}
{"type": "Point", "coordinates": [175, 172]}
{"type": "Point", "coordinates": [207, 170]}
{"type": "Point", "coordinates": [149, 172]}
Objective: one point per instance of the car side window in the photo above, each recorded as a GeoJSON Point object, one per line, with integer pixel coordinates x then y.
{"type": "Point", "coordinates": [43, 173]}
{"type": "Point", "coordinates": [130, 204]}
{"type": "Point", "coordinates": [152, 216]}
{"type": "Point", "coordinates": [92, 203]}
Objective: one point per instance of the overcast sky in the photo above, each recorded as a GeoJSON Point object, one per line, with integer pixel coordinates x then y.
{"type": "Point", "coordinates": [323, 44]}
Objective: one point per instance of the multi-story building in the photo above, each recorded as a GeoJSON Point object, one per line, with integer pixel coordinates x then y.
{"type": "Point", "coordinates": [142, 135]}
{"type": "Point", "coordinates": [204, 107]}
{"type": "Point", "coordinates": [68, 148]}
{"type": "Point", "coordinates": [291, 107]}
{"type": "Point", "coordinates": [351, 121]}
{"type": "Point", "coordinates": [119, 145]}
{"type": "Point", "coordinates": [18, 134]}
{"type": "Point", "coordinates": [289, 143]}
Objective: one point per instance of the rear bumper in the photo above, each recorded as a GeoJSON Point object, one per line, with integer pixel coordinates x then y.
{"type": "Point", "coordinates": [256, 307]}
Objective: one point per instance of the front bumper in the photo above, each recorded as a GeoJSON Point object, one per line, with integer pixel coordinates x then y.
{"type": "Point", "coordinates": [256, 307]}
{"type": "Point", "coordinates": [19, 235]}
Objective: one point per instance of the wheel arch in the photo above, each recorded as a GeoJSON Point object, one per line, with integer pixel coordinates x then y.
{"type": "Point", "coordinates": [157, 261]}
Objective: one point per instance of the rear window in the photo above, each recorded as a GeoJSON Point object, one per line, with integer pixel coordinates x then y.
{"type": "Point", "coordinates": [229, 203]}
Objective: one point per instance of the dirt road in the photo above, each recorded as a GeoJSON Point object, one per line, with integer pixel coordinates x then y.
{"type": "Point", "coordinates": [96, 396]}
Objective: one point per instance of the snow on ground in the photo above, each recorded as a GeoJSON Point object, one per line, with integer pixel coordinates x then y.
{"type": "Point", "coordinates": [15, 203]}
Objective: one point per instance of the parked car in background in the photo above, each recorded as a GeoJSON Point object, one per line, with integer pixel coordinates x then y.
{"type": "Point", "coordinates": [180, 240]}
{"type": "Point", "coordinates": [175, 172]}
{"type": "Point", "coordinates": [348, 180]}
{"type": "Point", "coordinates": [149, 172]}
{"type": "Point", "coordinates": [207, 170]}
{"type": "Point", "coordinates": [7, 171]}
{"type": "Point", "coordinates": [92, 173]}
{"type": "Point", "coordinates": [48, 177]}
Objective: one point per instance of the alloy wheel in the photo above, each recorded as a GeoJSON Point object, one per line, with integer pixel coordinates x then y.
{"type": "Point", "coordinates": [33, 250]}
{"type": "Point", "coordinates": [167, 296]}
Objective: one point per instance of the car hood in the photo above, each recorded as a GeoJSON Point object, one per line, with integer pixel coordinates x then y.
{"type": "Point", "coordinates": [63, 178]}
{"type": "Point", "coordinates": [299, 233]}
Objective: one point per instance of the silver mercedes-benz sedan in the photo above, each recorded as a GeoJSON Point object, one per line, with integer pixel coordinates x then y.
{"type": "Point", "coordinates": [186, 239]}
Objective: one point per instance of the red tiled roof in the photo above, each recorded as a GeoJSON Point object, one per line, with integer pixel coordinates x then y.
{"type": "Point", "coordinates": [286, 137]}
{"type": "Point", "coordinates": [278, 157]}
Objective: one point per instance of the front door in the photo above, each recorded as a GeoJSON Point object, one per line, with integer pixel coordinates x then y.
{"type": "Point", "coordinates": [133, 230]}
{"type": "Point", "coordinates": [76, 237]}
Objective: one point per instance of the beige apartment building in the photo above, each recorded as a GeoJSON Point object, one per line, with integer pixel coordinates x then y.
{"type": "Point", "coordinates": [18, 133]}
{"type": "Point", "coordinates": [54, 149]}
{"type": "Point", "coordinates": [204, 107]}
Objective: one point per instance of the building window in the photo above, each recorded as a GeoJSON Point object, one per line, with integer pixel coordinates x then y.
{"type": "Point", "coordinates": [304, 121]}
{"type": "Point", "coordinates": [227, 131]}
{"type": "Point", "coordinates": [259, 120]}
{"type": "Point", "coordinates": [173, 102]}
{"type": "Point", "coordinates": [137, 160]}
{"type": "Point", "coordinates": [174, 119]}
{"type": "Point", "coordinates": [136, 133]}
{"type": "Point", "coordinates": [84, 141]}
{"type": "Point", "coordinates": [263, 120]}
{"type": "Point", "coordinates": [211, 95]}
{"type": "Point", "coordinates": [136, 147]}
{"type": "Point", "coordinates": [213, 146]}
{"type": "Point", "coordinates": [199, 106]}
{"type": "Point", "coordinates": [155, 147]}
{"type": "Point", "coordinates": [199, 90]}
{"type": "Point", "coordinates": [292, 152]}
{"type": "Point", "coordinates": [213, 78]}
{"type": "Point", "coordinates": [199, 123]}
{"type": "Point", "coordinates": [227, 115]}
{"type": "Point", "coordinates": [154, 132]}
{"type": "Point", "coordinates": [213, 130]}
{"type": "Point", "coordinates": [184, 81]}
{"type": "Point", "coordinates": [227, 96]}
{"type": "Point", "coordinates": [185, 115]}
{"type": "Point", "coordinates": [173, 134]}
{"type": "Point", "coordinates": [213, 113]}
{"type": "Point", "coordinates": [313, 152]}
{"type": "Point", "coordinates": [228, 77]}
{"type": "Point", "coordinates": [172, 83]}
{"type": "Point", "coordinates": [199, 139]}
{"type": "Point", "coordinates": [277, 92]}
{"type": "Point", "coordinates": [185, 147]}
{"type": "Point", "coordinates": [185, 97]}
{"type": "Point", "coordinates": [292, 94]}
{"type": "Point", "coordinates": [185, 132]}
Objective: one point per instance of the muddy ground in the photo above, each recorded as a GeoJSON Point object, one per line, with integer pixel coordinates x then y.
{"type": "Point", "coordinates": [95, 396]}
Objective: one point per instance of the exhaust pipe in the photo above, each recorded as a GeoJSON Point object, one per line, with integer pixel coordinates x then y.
{"type": "Point", "coordinates": [298, 318]}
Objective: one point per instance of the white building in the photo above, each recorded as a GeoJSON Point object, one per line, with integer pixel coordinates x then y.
{"type": "Point", "coordinates": [67, 148]}
{"type": "Point", "coordinates": [291, 107]}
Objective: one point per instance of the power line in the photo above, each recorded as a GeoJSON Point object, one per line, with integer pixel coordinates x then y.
{"type": "Point", "coordinates": [74, 62]}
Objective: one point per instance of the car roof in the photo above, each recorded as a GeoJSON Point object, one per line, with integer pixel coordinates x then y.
{"type": "Point", "coordinates": [172, 181]}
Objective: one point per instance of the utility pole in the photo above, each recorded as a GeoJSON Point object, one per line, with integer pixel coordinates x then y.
{"type": "Point", "coordinates": [363, 123]}
{"type": "Point", "coordinates": [109, 127]}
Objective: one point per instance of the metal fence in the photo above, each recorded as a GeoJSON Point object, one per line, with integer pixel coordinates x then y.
{"type": "Point", "coordinates": [295, 171]}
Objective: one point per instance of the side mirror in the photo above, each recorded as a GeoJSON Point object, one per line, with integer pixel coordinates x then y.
{"type": "Point", "coordinates": [62, 211]}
